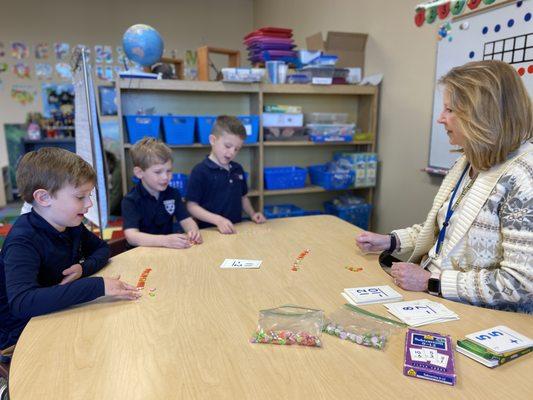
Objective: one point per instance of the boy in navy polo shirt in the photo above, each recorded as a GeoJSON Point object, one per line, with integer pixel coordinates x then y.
{"type": "Point", "coordinates": [150, 207]}
{"type": "Point", "coordinates": [48, 255]}
{"type": "Point", "coordinates": [217, 190]}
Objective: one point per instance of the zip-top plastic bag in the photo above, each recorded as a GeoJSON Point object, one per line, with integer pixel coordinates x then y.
{"type": "Point", "coordinates": [288, 325]}
{"type": "Point", "coordinates": [361, 326]}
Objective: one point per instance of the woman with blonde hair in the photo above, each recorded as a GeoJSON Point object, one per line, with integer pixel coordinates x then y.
{"type": "Point", "coordinates": [476, 245]}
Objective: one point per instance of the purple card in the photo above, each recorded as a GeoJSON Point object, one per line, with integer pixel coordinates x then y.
{"type": "Point", "coordinates": [429, 356]}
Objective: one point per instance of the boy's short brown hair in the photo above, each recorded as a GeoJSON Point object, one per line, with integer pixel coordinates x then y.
{"type": "Point", "coordinates": [149, 151]}
{"type": "Point", "coordinates": [51, 168]}
{"type": "Point", "coordinates": [228, 124]}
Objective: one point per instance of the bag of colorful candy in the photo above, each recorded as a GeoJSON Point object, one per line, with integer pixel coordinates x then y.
{"type": "Point", "coordinates": [361, 326]}
{"type": "Point", "coordinates": [287, 325]}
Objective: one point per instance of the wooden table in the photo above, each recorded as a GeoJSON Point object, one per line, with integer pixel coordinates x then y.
{"type": "Point", "coordinates": [191, 340]}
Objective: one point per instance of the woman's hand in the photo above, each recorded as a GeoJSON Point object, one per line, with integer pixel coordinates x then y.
{"type": "Point", "coordinates": [372, 242]}
{"type": "Point", "coordinates": [410, 276]}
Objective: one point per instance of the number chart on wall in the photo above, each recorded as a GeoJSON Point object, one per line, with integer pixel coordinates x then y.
{"type": "Point", "coordinates": [500, 33]}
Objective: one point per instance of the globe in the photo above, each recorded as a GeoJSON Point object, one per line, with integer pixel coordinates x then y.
{"type": "Point", "coordinates": [143, 44]}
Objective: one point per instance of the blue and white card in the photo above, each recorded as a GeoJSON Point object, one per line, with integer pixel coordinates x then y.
{"type": "Point", "coordinates": [500, 339]}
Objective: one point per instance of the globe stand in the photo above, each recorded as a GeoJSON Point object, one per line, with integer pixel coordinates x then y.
{"type": "Point", "coordinates": [134, 73]}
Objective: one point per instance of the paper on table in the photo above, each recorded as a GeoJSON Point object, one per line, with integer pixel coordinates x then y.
{"type": "Point", "coordinates": [240, 264]}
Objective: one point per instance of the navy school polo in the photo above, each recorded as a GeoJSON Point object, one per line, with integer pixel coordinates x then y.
{"type": "Point", "coordinates": [218, 190]}
{"type": "Point", "coordinates": [142, 211]}
{"type": "Point", "coordinates": [32, 260]}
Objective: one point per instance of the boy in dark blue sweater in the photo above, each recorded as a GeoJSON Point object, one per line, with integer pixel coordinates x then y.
{"type": "Point", "coordinates": [149, 209]}
{"type": "Point", "coordinates": [49, 255]}
{"type": "Point", "coordinates": [217, 190]}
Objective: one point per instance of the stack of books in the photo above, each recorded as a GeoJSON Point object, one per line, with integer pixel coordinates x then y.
{"type": "Point", "coordinates": [495, 346]}
{"type": "Point", "coordinates": [371, 295]}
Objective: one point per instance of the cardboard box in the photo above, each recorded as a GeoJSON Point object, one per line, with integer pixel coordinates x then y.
{"type": "Point", "coordinates": [350, 47]}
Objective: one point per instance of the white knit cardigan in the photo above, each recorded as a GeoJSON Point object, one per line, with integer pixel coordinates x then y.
{"type": "Point", "coordinates": [487, 259]}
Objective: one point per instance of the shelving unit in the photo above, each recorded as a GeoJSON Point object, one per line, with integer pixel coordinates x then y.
{"type": "Point", "coordinates": [214, 98]}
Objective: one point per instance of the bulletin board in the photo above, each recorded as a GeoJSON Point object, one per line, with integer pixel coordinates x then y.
{"type": "Point", "coordinates": [502, 32]}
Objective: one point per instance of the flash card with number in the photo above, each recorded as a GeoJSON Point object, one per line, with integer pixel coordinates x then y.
{"type": "Point", "coordinates": [240, 264]}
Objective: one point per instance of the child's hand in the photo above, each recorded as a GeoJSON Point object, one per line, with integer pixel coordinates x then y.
{"type": "Point", "coordinates": [71, 274]}
{"type": "Point", "coordinates": [177, 241]}
{"type": "Point", "coordinates": [225, 226]}
{"type": "Point", "coordinates": [120, 290]}
{"type": "Point", "coordinates": [195, 237]}
{"type": "Point", "coordinates": [258, 218]}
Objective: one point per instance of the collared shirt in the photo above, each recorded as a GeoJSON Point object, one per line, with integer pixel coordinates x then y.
{"type": "Point", "coordinates": [32, 260]}
{"type": "Point", "coordinates": [142, 211]}
{"type": "Point", "coordinates": [218, 190]}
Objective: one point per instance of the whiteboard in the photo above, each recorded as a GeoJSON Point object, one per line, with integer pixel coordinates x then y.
{"type": "Point", "coordinates": [504, 33]}
{"type": "Point", "coordinates": [85, 143]}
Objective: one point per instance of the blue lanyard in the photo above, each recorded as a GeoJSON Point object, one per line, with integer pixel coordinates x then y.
{"type": "Point", "coordinates": [449, 213]}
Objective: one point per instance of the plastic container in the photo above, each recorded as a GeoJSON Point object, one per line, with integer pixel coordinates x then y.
{"type": "Point", "coordinates": [179, 129]}
{"type": "Point", "coordinates": [290, 177]}
{"type": "Point", "coordinates": [357, 214]}
{"type": "Point", "coordinates": [180, 181]}
{"type": "Point", "coordinates": [320, 176]}
{"type": "Point", "coordinates": [331, 132]}
{"type": "Point", "coordinates": [326, 118]}
{"type": "Point", "coordinates": [140, 126]}
{"type": "Point", "coordinates": [205, 126]}
{"type": "Point", "coordinates": [299, 79]}
{"type": "Point", "coordinates": [326, 59]}
{"type": "Point", "coordinates": [283, 211]}
{"type": "Point", "coordinates": [320, 74]}
{"type": "Point", "coordinates": [241, 75]}
{"type": "Point", "coordinates": [250, 122]}
{"type": "Point", "coordinates": [281, 133]}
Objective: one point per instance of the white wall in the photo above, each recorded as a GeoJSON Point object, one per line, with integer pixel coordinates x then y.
{"type": "Point", "coordinates": [183, 25]}
{"type": "Point", "coordinates": [406, 56]}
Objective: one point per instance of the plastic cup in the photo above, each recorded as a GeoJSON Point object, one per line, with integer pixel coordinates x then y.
{"type": "Point", "coordinates": [282, 72]}
{"type": "Point", "coordinates": [273, 70]}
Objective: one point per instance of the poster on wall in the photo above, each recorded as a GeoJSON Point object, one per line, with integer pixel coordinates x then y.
{"type": "Point", "coordinates": [41, 51]}
{"type": "Point", "coordinates": [57, 97]}
{"type": "Point", "coordinates": [19, 50]}
{"type": "Point", "coordinates": [108, 100]}
{"type": "Point", "coordinates": [23, 94]}
{"type": "Point", "coordinates": [63, 71]}
{"type": "Point", "coordinates": [15, 149]}
{"type": "Point", "coordinates": [61, 50]}
{"type": "Point", "coordinates": [43, 71]}
{"type": "Point", "coordinates": [22, 70]}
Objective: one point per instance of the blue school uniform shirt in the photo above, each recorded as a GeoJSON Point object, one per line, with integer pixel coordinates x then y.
{"type": "Point", "coordinates": [142, 211]}
{"type": "Point", "coordinates": [32, 260]}
{"type": "Point", "coordinates": [217, 189]}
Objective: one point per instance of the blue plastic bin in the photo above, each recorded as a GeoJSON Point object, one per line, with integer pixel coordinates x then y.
{"type": "Point", "coordinates": [179, 129]}
{"type": "Point", "coordinates": [284, 177]}
{"type": "Point", "coordinates": [283, 211]}
{"type": "Point", "coordinates": [320, 176]}
{"type": "Point", "coordinates": [357, 214]}
{"type": "Point", "coordinates": [179, 181]}
{"type": "Point", "coordinates": [140, 126]}
{"type": "Point", "coordinates": [205, 125]}
{"type": "Point", "coordinates": [251, 124]}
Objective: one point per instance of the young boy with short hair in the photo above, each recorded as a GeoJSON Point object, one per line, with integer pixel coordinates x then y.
{"type": "Point", "coordinates": [48, 255]}
{"type": "Point", "coordinates": [217, 190]}
{"type": "Point", "coordinates": [149, 208]}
